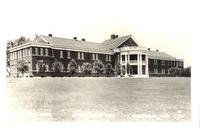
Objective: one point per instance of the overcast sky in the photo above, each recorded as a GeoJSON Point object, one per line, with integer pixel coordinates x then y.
{"type": "Point", "coordinates": [158, 24]}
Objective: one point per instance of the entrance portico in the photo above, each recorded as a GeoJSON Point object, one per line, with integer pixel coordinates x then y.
{"type": "Point", "coordinates": [134, 61]}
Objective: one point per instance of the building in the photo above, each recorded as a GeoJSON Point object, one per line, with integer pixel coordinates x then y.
{"type": "Point", "coordinates": [135, 60]}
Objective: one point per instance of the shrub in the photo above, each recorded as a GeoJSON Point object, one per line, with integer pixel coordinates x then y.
{"type": "Point", "coordinates": [108, 69]}
{"type": "Point", "coordinates": [22, 67]}
{"type": "Point", "coordinates": [72, 67]}
{"type": "Point", "coordinates": [98, 67]}
{"type": "Point", "coordinates": [86, 68]}
{"type": "Point", "coordinates": [57, 67]}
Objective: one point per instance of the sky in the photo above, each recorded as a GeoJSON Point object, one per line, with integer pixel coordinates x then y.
{"type": "Point", "coordinates": [157, 24]}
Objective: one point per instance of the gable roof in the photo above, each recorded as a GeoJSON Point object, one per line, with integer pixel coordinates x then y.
{"type": "Point", "coordinates": [114, 43]}
{"type": "Point", "coordinates": [78, 45]}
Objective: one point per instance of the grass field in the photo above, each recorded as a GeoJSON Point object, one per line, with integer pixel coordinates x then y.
{"type": "Point", "coordinates": [99, 99]}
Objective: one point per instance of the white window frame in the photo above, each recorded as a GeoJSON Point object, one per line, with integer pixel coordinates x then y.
{"type": "Point", "coordinates": [155, 70]}
{"type": "Point", "coordinates": [163, 71]}
{"type": "Point", "coordinates": [109, 58]}
{"type": "Point", "coordinates": [41, 51]}
{"type": "Point", "coordinates": [96, 56]}
{"type": "Point", "coordinates": [68, 54]}
{"type": "Point", "coordinates": [93, 56]}
{"type": "Point", "coordinates": [47, 67]}
{"type": "Point", "coordinates": [79, 55]}
{"type": "Point", "coordinates": [61, 53]}
{"type": "Point", "coordinates": [36, 51]}
{"type": "Point", "coordinates": [106, 57]}
{"type": "Point", "coordinates": [82, 55]}
{"type": "Point", "coordinates": [46, 52]}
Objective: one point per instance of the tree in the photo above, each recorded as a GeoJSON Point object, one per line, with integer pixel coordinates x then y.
{"type": "Point", "coordinates": [98, 67]}
{"type": "Point", "coordinates": [175, 71]}
{"type": "Point", "coordinates": [22, 67]}
{"type": "Point", "coordinates": [118, 69]}
{"type": "Point", "coordinates": [188, 71]}
{"type": "Point", "coordinates": [72, 67]}
{"type": "Point", "coordinates": [57, 67]}
{"type": "Point", "coordinates": [8, 46]}
{"type": "Point", "coordinates": [108, 69]}
{"type": "Point", "coordinates": [86, 68]}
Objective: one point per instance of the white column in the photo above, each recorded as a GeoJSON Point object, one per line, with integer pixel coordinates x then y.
{"type": "Point", "coordinates": [126, 65]}
{"type": "Point", "coordinates": [120, 56]}
{"type": "Point", "coordinates": [147, 65]}
{"type": "Point", "coordinates": [128, 56]}
{"type": "Point", "coordinates": [138, 63]}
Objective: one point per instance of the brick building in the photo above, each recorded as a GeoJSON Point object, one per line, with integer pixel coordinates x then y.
{"type": "Point", "coordinates": [44, 50]}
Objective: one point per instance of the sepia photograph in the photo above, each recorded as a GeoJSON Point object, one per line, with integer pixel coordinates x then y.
{"type": "Point", "coordinates": [92, 61]}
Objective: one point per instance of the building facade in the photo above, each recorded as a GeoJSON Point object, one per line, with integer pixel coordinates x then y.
{"type": "Point", "coordinates": [136, 61]}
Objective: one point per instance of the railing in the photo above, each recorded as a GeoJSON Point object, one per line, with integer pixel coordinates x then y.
{"type": "Point", "coordinates": [133, 61]}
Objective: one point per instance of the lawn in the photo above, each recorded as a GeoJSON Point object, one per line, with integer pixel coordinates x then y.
{"type": "Point", "coordinates": [99, 99]}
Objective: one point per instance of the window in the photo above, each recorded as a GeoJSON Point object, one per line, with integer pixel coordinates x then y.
{"type": "Point", "coordinates": [106, 57]}
{"type": "Point", "coordinates": [163, 62]}
{"type": "Point", "coordinates": [20, 54]}
{"type": "Point", "coordinates": [155, 70]}
{"type": "Point", "coordinates": [143, 57]}
{"type": "Point", "coordinates": [173, 63]}
{"type": "Point", "coordinates": [163, 71]}
{"type": "Point", "coordinates": [169, 63]}
{"type": "Point", "coordinates": [61, 54]}
{"type": "Point", "coordinates": [80, 55]}
{"type": "Point", "coordinates": [123, 57]}
{"type": "Point", "coordinates": [36, 51]}
{"type": "Point", "coordinates": [68, 55]}
{"type": "Point", "coordinates": [41, 51]}
{"type": "Point", "coordinates": [133, 57]}
{"type": "Point", "coordinates": [47, 67]}
{"type": "Point", "coordinates": [109, 57]}
{"type": "Point", "coordinates": [155, 62]}
{"type": "Point", "coordinates": [36, 67]}
{"type": "Point", "coordinates": [94, 56]}
{"type": "Point", "coordinates": [23, 52]}
{"type": "Point", "coordinates": [46, 52]}
{"type": "Point", "coordinates": [180, 63]}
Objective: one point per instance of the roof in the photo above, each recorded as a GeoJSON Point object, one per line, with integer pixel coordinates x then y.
{"type": "Point", "coordinates": [77, 45]}
{"type": "Point", "coordinates": [113, 43]}
{"type": "Point", "coordinates": [159, 55]}
{"type": "Point", "coordinates": [103, 48]}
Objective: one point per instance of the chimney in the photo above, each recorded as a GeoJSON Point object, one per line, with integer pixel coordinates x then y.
{"type": "Point", "coordinates": [83, 39]}
{"type": "Point", "coordinates": [112, 36]}
{"type": "Point", "coordinates": [75, 38]}
{"type": "Point", "coordinates": [157, 50]}
{"type": "Point", "coordinates": [50, 35]}
{"type": "Point", "coordinates": [149, 49]}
